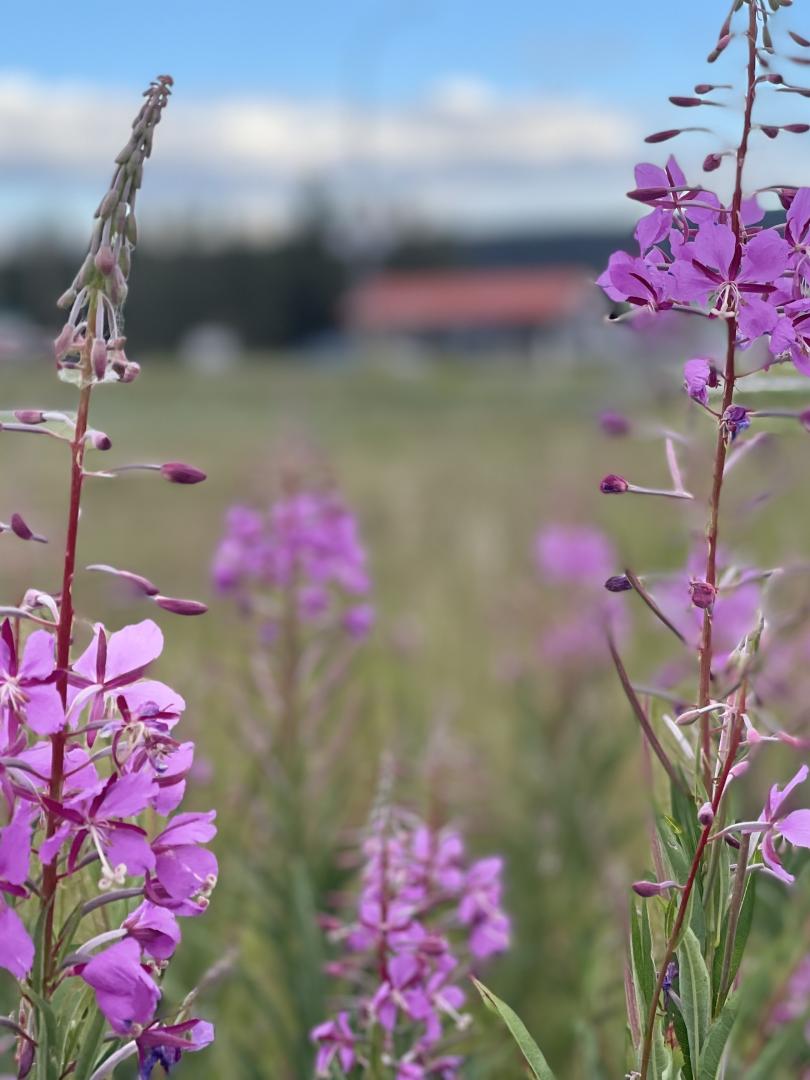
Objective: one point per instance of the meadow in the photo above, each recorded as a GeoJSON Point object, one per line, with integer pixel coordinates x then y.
{"type": "Point", "coordinates": [451, 471]}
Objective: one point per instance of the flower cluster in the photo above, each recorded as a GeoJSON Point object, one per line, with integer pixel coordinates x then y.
{"type": "Point", "coordinates": [96, 864]}
{"type": "Point", "coordinates": [424, 917]}
{"type": "Point", "coordinates": [307, 545]}
{"type": "Point", "coordinates": [696, 254]}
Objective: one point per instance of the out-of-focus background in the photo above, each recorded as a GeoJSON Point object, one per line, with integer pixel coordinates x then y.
{"type": "Point", "coordinates": [371, 229]}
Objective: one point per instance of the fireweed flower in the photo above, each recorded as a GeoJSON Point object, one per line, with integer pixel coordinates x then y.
{"type": "Point", "coordinates": [777, 822]}
{"type": "Point", "coordinates": [308, 543]}
{"type": "Point", "coordinates": [90, 769]}
{"type": "Point", "coordinates": [424, 915]}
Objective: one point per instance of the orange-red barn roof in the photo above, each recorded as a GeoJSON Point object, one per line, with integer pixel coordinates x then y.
{"type": "Point", "coordinates": [399, 301]}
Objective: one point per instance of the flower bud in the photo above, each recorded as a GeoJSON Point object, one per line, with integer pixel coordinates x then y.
{"type": "Point", "coordinates": [180, 607]}
{"type": "Point", "coordinates": [67, 298]}
{"type": "Point", "coordinates": [98, 440]}
{"type": "Point", "coordinates": [29, 416]}
{"type": "Point", "coordinates": [179, 473]}
{"type": "Point", "coordinates": [619, 583]}
{"type": "Point", "coordinates": [613, 485]}
{"type": "Point", "coordinates": [105, 260]}
{"type": "Point", "coordinates": [98, 358]}
{"type": "Point", "coordinates": [686, 102]}
{"type": "Point", "coordinates": [663, 136]}
{"type": "Point", "coordinates": [613, 423]}
{"type": "Point", "coordinates": [705, 814]}
{"type": "Point", "coordinates": [22, 530]}
{"type": "Point", "coordinates": [702, 594]}
{"type": "Point", "coordinates": [653, 888]}
{"type": "Point", "coordinates": [712, 162]}
{"type": "Point", "coordinates": [735, 419]}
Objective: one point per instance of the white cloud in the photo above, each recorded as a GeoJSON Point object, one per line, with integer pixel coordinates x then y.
{"type": "Point", "coordinates": [462, 150]}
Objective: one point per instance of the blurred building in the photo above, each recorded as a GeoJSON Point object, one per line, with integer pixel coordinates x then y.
{"type": "Point", "coordinates": [521, 311]}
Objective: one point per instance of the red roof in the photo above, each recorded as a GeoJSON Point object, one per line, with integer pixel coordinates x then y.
{"type": "Point", "coordinates": [466, 299]}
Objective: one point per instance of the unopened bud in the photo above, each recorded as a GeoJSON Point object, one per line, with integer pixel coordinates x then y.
{"type": "Point", "coordinates": [686, 102]}
{"type": "Point", "coordinates": [619, 583]}
{"type": "Point", "coordinates": [22, 530]}
{"type": "Point", "coordinates": [653, 888]}
{"type": "Point", "coordinates": [799, 39]}
{"type": "Point", "coordinates": [67, 298]}
{"type": "Point", "coordinates": [719, 48]}
{"type": "Point", "coordinates": [796, 129]}
{"type": "Point", "coordinates": [740, 769]}
{"type": "Point", "coordinates": [98, 358]}
{"type": "Point", "coordinates": [613, 485]}
{"type": "Point", "coordinates": [705, 814]}
{"type": "Point", "coordinates": [614, 423]}
{"type": "Point", "coordinates": [180, 607]}
{"type": "Point", "coordinates": [98, 440]}
{"type": "Point", "coordinates": [663, 136]}
{"type": "Point", "coordinates": [702, 594]}
{"type": "Point", "coordinates": [712, 162]}
{"type": "Point", "coordinates": [770, 130]}
{"type": "Point", "coordinates": [180, 473]}
{"type": "Point", "coordinates": [736, 419]}
{"type": "Point", "coordinates": [105, 260]}
{"type": "Point", "coordinates": [29, 416]}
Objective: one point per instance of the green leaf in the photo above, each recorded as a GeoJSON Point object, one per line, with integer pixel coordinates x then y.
{"type": "Point", "coordinates": [712, 1052]}
{"type": "Point", "coordinates": [90, 1043]}
{"type": "Point", "coordinates": [694, 990]}
{"type": "Point", "coordinates": [528, 1047]}
{"type": "Point", "coordinates": [641, 954]}
{"type": "Point", "coordinates": [47, 1068]}
{"type": "Point", "coordinates": [743, 926]}
{"type": "Point", "coordinates": [682, 1036]}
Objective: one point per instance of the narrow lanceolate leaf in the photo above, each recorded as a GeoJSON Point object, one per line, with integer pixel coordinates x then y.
{"type": "Point", "coordinates": [712, 1053]}
{"type": "Point", "coordinates": [517, 1029]}
{"type": "Point", "coordinates": [641, 954]}
{"type": "Point", "coordinates": [695, 995]}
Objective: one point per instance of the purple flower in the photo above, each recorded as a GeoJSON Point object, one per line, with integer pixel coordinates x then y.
{"type": "Point", "coordinates": [125, 993]}
{"type": "Point", "coordinates": [572, 554]}
{"type": "Point", "coordinates": [480, 909]}
{"type": "Point", "coordinates": [183, 869]}
{"type": "Point", "coordinates": [737, 278]}
{"type": "Point", "coordinates": [698, 375]}
{"type": "Point", "coordinates": [155, 929]}
{"type": "Point", "coordinates": [16, 946]}
{"type": "Point", "coordinates": [27, 685]}
{"type": "Point", "coordinates": [774, 823]}
{"type": "Point", "coordinates": [334, 1039]}
{"type": "Point", "coordinates": [637, 281]}
{"type": "Point", "coordinates": [164, 1045]}
{"type": "Point", "coordinates": [111, 663]}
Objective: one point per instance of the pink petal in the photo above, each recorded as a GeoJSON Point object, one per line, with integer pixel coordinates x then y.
{"type": "Point", "coordinates": [16, 947]}
{"type": "Point", "coordinates": [795, 828]}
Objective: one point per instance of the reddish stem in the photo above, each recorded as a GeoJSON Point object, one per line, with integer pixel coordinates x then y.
{"type": "Point", "coordinates": [705, 649]}
{"type": "Point", "coordinates": [64, 634]}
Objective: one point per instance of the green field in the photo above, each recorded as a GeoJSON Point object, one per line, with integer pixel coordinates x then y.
{"type": "Point", "coordinates": [451, 474]}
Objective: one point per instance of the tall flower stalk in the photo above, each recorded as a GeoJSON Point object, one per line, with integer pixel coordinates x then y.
{"type": "Point", "coordinates": [705, 718]}
{"type": "Point", "coordinates": [88, 758]}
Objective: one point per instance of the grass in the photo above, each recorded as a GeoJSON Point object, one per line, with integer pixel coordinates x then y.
{"type": "Point", "coordinates": [451, 473]}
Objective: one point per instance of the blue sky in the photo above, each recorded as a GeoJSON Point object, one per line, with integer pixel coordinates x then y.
{"type": "Point", "coordinates": [375, 49]}
{"type": "Point", "coordinates": [438, 113]}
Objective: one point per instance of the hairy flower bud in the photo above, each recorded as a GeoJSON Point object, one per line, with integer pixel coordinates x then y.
{"type": "Point", "coordinates": [702, 594]}
{"type": "Point", "coordinates": [613, 485]}
{"type": "Point", "coordinates": [179, 473]}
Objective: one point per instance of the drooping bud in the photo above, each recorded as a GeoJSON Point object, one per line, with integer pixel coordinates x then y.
{"type": "Point", "coordinates": [690, 102]}
{"type": "Point", "coordinates": [21, 529]}
{"type": "Point", "coordinates": [180, 607]}
{"type": "Point", "coordinates": [98, 358]}
{"type": "Point", "coordinates": [105, 260]}
{"type": "Point", "coordinates": [702, 594]}
{"type": "Point", "coordinates": [796, 129]}
{"type": "Point", "coordinates": [29, 416]}
{"type": "Point", "coordinates": [613, 485]}
{"type": "Point", "coordinates": [799, 39]}
{"type": "Point", "coordinates": [654, 888]}
{"type": "Point", "coordinates": [177, 472]}
{"type": "Point", "coordinates": [663, 136]}
{"type": "Point", "coordinates": [618, 583]}
{"type": "Point", "coordinates": [719, 48]}
{"type": "Point", "coordinates": [705, 814]}
{"type": "Point", "coordinates": [99, 440]}
{"type": "Point", "coordinates": [712, 162]}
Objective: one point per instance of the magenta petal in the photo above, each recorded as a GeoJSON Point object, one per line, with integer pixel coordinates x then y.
{"type": "Point", "coordinates": [714, 247]}
{"type": "Point", "coordinates": [778, 798]}
{"type": "Point", "coordinates": [38, 658]}
{"type": "Point", "coordinates": [798, 215]}
{"type": "Point", "coordinates": [127, 795]}
{"type": "Point", "coordinates": [44, 713]}
{"type": "Point", "coordinates": [133, 647]}
{"type": "Point", "coordinates": [16, 946]}
{"type": "Point", "coordinates": [125, 993]}
{"type": "Point", "coordinates": [183, 871]}
{"type": "Point", "coordinates": [795, 828]}
{"type": "Point", "coordinates": [765, 257]}
{"type": "Point", "coordinates": [15, 850]}
{"type": "Point", "coordinates": [756, 317]}
{"type": "Point", "coordinates": [128, 846]}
